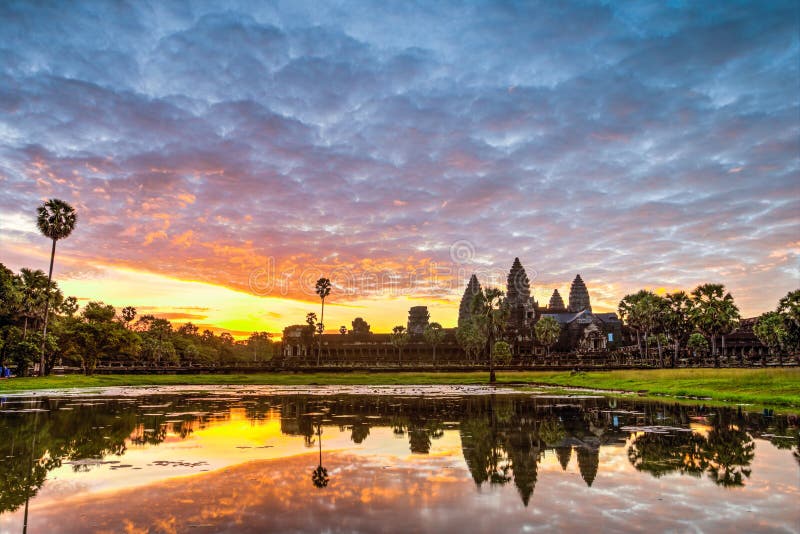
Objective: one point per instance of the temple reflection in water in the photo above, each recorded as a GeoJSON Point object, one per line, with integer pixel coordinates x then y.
{"type": "Point", "coordinates": [503, 438]}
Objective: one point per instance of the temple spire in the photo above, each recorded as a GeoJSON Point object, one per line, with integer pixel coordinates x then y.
{"type": "Point", "coordinates": [579, 296]}
{"type": "Point", "coordinates": [556, 303]}
{"type": "Point", "coordinates": [518, 294]}
{"type": "Point", "coordinates": [465, 308]}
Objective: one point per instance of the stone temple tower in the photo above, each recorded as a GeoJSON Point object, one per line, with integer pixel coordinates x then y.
{"type": "Point", "coordinates": [465, 309]}
{"type": "Point", "coordinates": [518, 294]}
{"type": "Point", "coordinates": [579, 296]}
{"type": "Point", "coordinates": [556, 303]}
{"type": "Point", "coordinates": [418, 317]}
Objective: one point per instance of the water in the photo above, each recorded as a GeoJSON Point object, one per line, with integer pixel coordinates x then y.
{"type": "Point", "coordinates": [252, 459]}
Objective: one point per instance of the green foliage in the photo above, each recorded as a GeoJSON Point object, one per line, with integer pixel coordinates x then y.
{"type": "Point", "coordinates": [547, 331]}
{"type": "Point", "coordinates": [399, 338]}
{"type": "Point", "coordinates": [56, 219]}
{"type": "Point", "coordinates": [714, 313]}
{"type": "Point", "coordinates": [501, 352]}
{"type": "Point", "coordinates": [471, 336]}
{"type": "Point", "coordinates": [697, 343]}
{"type": "Point", "coordinates": [771, 330]}
{"type": "Point", "coordinates": [789, 308]}
{"type": "Point", "coordinates": [23, 354]}
{"type": "Point", "coordinates": [433, 335]}
{"type": "Point", "coordinates": [677, 318]}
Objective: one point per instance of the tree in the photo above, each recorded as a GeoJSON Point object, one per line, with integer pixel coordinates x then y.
{"type": "Point", "coordinates": [69, 307]}
{"type": "Point", "coordinates": [56, 220]}
{"type": "Point", "coordinates": [471, 337]}
{"type": "Point", "coordinates": [789, 308]}
{"type": "Point", "coordinates": [630, 312]}
{"type": "Point", "coordinates": [128, 314]}
{"type": "Point", "coordinates": [343, 330]}
{"type": "Point", "coordinates": [714, 313]}
{"type": "Point", "coordinates": [319, 477]}
{"type": "Point", "coordinates": [678, 321]}
{"type": "Point", "coordinates": [96, 335]}
{"type": "Point", "coordinates": [770, 329]}
{"type": "Point", "coordinates": [697, 344]}
{"type": "Point", "coordinates": [32, 287]}
{"type": "Point", "coordinates": [489, 304]}
{"type": "Point", "coordinates": [434, 335]}
{"type": "Point", "coordinates": [655, 318]}
{"type": "Point", "coordinates": [501, 352]}
{"type": "Point", "coordinates": [323, 289]}
{"type": "Point", "coordinates": [547, 332]}
{"type": "Point", "coordinates": [309, 330]}
{"type": "Point", "coordinates": [260, 344]}
{"type": "Point", "coordinates": [399, 338]}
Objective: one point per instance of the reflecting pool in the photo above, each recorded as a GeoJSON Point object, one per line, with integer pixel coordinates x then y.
{"type": "Point", "coordinates": [261, 459]}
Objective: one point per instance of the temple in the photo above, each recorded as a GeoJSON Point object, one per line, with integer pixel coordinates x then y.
{"type": "Point", "coordinates": [418, 318]}
{"type": "Point", "coordinates": [465, 308]}
{"type": "Point", "coordinates": [582, 330]}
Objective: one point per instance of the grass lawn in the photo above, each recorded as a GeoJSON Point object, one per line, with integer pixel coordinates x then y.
{"type": "Point", "coordinates": [778, 387]}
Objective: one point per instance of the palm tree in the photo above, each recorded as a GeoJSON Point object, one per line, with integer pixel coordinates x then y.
{"type": "Point", "coordinates": [33, 290]}
{"type": "Point", "coordinates": [490, 305]}
{"type": "Point", "coordinates": [714, 313]}
{"type": "Point", "coordinates": [56, 220]}
{"type": "Point", "coordinates": [547, 331]}
{"type": "Point", "coordinates": [319, 477]}
{"type": "Point", "coordinates": [697, 343]}
{"type": "Point", "coordinates": [434, 335]}
{"type": "Point", "coordinates": [770, 329]}
{"type": "Point", "coordinates": [789, 308]}
{"type": "Point", "coordinates": [399, 338]}
{"type": "Point", "coordinates": [323, 289]}
{"type": "Point", "coordinates": [630, 312]}
{"type": "Point", "coordinates": [678, 321]}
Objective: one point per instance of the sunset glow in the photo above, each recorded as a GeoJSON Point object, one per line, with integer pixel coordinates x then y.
{"type": "Point", "coordinates": [221, 159]}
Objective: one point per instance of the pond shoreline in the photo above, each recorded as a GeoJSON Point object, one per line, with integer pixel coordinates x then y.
{"type": "Point", "coordinates": [768, 387]}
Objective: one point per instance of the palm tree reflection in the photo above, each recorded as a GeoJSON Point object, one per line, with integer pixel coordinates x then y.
{"type": "Point", "coordinates": [319, 477]}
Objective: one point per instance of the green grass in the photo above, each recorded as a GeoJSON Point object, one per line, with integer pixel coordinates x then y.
{"type": "Point", "coordinates": [772, 387]}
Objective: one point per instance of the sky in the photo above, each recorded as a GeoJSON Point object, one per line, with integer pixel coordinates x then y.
{"type": "Point", "coordinates": [222, 156]}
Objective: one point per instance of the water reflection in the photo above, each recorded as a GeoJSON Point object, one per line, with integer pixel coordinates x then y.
{"type": "Point", "coordinates": [502, 440]}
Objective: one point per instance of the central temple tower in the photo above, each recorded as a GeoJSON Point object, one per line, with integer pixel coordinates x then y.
{"type": "Point", "coordinates": [579, 296]}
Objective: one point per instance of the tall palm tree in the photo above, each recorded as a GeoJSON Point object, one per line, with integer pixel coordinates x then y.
{"type": "Point", "coordinates": [678, 321]}
{"type": "Point", "coordinates": [323, 289]}
{"type": "Point", "coordinates": [490, 305]}
{"type": "Point", "coordinates": [33, 289]}
{"type": "Point", "coordinates": [714, 312]}
{"type": "Point", "coordinates": [56, 220]}
{"type": "Point", "coordinates": [547, 332]}
{"type": "Point", "coordinates": [399, 338]}
{"type": "Point", "coordinates": [630, 312]}
{"type": "Point", "coordinates": [434, 335]}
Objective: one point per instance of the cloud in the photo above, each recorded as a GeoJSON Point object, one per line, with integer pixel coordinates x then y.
{"type": "Point", "coordinates": [641, 145]}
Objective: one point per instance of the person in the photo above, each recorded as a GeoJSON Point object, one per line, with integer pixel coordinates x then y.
{"type": "Point", "coordinates": [2, 371]}
{"type": "Point", "coordinates": [7, 372]}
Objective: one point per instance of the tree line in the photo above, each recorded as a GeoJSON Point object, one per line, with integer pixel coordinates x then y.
{"type": "Point", "coordinates": [101, 333]}
{"type": "Point", "coordinates": [698, 322]}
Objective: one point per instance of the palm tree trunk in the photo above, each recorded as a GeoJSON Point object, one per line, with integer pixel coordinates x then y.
{"type": "Point", "coordinates": [322, 322]}
{"type": "Point", "coordinates": [47, 308]}
{"type": "Point", "coordinates": [714, 350]}
{"type": "Point", "coordinates": [660, 356]}
{"type": "Point", "coordinates": [675, 354]}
